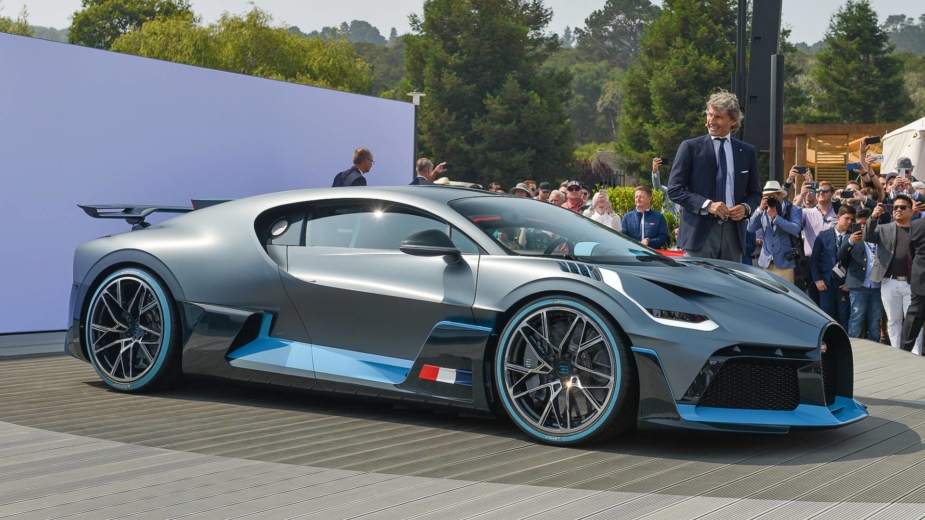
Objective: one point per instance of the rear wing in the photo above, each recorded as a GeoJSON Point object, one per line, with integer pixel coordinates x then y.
{"type": "Point", "coordinates": [134, 214]}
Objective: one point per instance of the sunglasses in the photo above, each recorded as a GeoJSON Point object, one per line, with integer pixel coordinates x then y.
{"type": "Point", "coordinates": [900, 208]}
{"type": "Point", "coordinates": [824, 190]}
{"type": "Point", "coordinates": [574, 188]}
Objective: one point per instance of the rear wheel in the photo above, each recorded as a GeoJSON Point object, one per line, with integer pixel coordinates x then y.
{"type": "Point", "coordinates": [133, 332]}
{"type": "Point", "coordinates": [563, 373]}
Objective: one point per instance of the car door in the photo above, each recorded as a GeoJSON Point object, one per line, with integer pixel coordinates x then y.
{"type": "Point", "coordinates": [368, 307]}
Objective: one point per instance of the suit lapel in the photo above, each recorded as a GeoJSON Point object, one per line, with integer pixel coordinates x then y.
{"type": "Point", "coordinates": [737, 168]}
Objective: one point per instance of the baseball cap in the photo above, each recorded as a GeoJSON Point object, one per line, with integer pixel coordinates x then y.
{"type": "Point", "coordinates": [544, 186]}
{"type": "Point", "coordinates": [571, 183]}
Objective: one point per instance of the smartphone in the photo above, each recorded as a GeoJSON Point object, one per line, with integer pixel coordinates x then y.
{"type": "Point", "coordinates": [877, 158]}
{"type": "Point", "coordinates": [847, 194]}
{"type": "Point", "coordinates": [449, 166]}
{"type": "Point", "coordinates": [852, 167]}
{"type": "Point", "coordinates": [855, 228]}
{"type": "Point", "coordinates": [872, 140]}
{"type": "Point", "coordinates": [666, 161]}
{"type": "Point", "coordinates": [802, 169]}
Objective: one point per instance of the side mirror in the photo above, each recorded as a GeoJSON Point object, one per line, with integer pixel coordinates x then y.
{"type": "Point", "coordinates": [431, 242]}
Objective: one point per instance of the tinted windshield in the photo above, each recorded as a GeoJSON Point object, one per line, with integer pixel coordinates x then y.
{"type": "Point", "coordinates": [533, 228]}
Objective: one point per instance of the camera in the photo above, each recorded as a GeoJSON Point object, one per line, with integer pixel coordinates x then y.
{"type": "Point", "coordinates": [773, 203]}
{"type": "Point", "coordinates": [793, 254]}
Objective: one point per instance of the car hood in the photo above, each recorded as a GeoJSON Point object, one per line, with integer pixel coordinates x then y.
{"type": "Point", "coordinates": [746, 286]}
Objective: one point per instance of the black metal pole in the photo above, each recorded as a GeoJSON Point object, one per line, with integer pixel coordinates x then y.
{"type": "Point", "coordinates": [777, 118]}
{"type": "Point", "coordinates": [414, 160]}
{"type": "Point", "coordinates": [741, 43]}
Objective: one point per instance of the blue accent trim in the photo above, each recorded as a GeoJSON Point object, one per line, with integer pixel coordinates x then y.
{"type": "Point", "coordinates": [461, 326]}
{"type": "Point", "coordinates": [844, 411]}
{"type": "Point", "coordinates": [360, 365]}
{"type": "Point", "coordinates": [292, 357]}
{"type": "Point", "coordinates": [165, 339]}
{"type": "Point", "coordinates": [499, 374]}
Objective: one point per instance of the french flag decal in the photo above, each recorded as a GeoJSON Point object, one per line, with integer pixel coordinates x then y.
{"type": "Point", "coordinates": [446, 375]}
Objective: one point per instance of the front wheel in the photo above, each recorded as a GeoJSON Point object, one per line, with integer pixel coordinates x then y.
{"type": "Point", "coordinates": [133, 332]}
{"type": "Point", "coordinates": [564, 375]}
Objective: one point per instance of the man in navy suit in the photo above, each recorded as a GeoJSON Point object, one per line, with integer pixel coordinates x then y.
{"type": "Point", "coordinates": [715, 179]}
{"type": "Point", "coordinates": [828, 273]}
{"type": "Point", "coordinates": [426, 173]}
{"type": "Point", "coordinates": [362, 163]}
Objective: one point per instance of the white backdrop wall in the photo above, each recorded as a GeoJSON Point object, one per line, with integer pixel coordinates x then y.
{"type": "Point", "coordinates": [79, 125]}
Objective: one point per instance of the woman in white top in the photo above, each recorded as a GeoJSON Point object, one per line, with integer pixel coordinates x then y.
{"type": "Point", "coordinates": [601, 211]}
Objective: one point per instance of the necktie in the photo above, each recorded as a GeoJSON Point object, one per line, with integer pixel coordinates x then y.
{"type": "Point", "coordinates": [838, 241]}
{"type": "Point", "coordinates": [723, 172]}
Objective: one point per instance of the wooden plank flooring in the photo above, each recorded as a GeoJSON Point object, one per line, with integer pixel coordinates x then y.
{"type": "Point", "coordinates": [70, 447]}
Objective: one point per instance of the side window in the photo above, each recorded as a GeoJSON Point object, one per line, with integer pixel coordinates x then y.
{"type": "Point", "coordinates": [366, 225]}
{"type": "Point", "coordinates": [464, 243]}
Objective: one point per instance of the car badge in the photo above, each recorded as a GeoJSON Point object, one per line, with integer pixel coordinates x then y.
{"type": "Point", "coordinates": [824, 347]}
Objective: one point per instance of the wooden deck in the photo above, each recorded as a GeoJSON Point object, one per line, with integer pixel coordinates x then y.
{"type": "Point", "coordinates": [70, 447]}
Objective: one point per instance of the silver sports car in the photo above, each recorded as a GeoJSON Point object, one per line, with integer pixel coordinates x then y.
{"type": "Point", "coordinates": [459, 298]}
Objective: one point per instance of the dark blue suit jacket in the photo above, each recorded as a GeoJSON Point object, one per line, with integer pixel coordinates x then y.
{"type": "Point", "coordinates": [420, 180]}
{"type": "Point", "coordinates": [693, 182]}
{"type": "Point", "coordinates": [353, 177]}
{"type": "Point", "coordinates": [825, 256]}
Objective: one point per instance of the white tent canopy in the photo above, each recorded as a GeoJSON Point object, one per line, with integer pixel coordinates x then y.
{"type": "Point", "coordinates": [908, 141]}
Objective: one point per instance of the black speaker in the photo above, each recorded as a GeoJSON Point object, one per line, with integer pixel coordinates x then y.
{"type": "Point", "coordinates": [765, 42]}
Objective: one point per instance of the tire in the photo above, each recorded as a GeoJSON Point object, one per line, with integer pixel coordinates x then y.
{"type": "Point", "coordinates": [563, 373]}
{"type": "Point", "coordinates": [133, 332]}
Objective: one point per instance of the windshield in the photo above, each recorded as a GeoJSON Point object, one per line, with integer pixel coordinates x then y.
{"type": "Point", "coordinates": [533, 228]}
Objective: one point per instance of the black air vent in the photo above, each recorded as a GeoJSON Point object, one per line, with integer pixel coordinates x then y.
{"type": "Point", "coordinates": [249, 332]}
{"type": "Point", "coordinates": [581, 269]}
{"type": "Point", "coordinates": [753, 386]}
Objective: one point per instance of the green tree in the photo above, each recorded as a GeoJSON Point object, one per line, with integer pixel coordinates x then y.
{"type": "Point", "coordinates": [860, 80]}
{"type": "Point", "coordinates": [905, 34]}
{"type": "Point", "coordinates": [595, 89]}
{"type": "Point", "coordinates": [100, 22]}
{"type": "Point", "coordinates": [250, 44]}
{"type": "Point", "coordinates": [18, 25]}
{"type": "Point", "coordinates": [798, 84]}
{"type": "Point", "coordinates": [567, 38]}
{"type": "Point", "coordinates": [613, 33]}
{"type": "Point", "coordinates": [914, 79]}
{"type": "Point", "coordinates": [686, 54]}
{"type": "Point", "coordinates": [386, 65]}
{"type": "Point", "coordinates": [490, 108]}
{"type": "Point", "coordinates": [49, 33]}
{"type": "Point", "coordinates": [393, 37]}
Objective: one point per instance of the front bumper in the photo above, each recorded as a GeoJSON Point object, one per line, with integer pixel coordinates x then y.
{"type": "Point", "coordinates": [657, 406]}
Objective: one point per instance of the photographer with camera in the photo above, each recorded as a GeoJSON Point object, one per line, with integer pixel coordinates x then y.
{"type": "Point", "coordinates": [863, 293]}
{"type": "Point", "coordinates": [828, 272]}
{"type": "Point", "coordinates": [780, 223]}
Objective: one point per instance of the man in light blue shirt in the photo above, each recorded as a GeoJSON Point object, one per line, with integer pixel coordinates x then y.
{"type": "Point", "coordinates": [864, 293]}
{"type": "Point", "coordinates": [780, 224]}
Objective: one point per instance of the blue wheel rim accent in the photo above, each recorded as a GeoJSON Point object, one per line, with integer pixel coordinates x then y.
{"type": "Point", "coordinates": [510, 407]}
{"type": "Point", "coordinates": [166, 318]}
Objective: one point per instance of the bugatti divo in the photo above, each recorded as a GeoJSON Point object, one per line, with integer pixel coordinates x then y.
{"type": "Point", "coordinates": [454, 297]}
